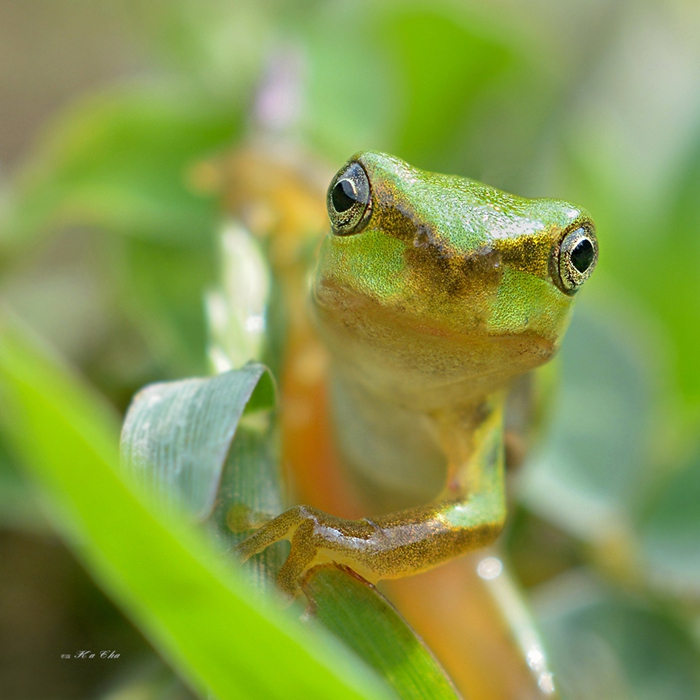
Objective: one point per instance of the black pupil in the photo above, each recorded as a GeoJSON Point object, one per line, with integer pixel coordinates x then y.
{"type": "Point", "coordinates": [344, 195]}
{"type": "Point", "coordinates": [582, 255]}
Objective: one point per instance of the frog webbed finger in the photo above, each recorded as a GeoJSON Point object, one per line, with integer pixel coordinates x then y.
{"type": "Point", "coordinates": [280, 528]}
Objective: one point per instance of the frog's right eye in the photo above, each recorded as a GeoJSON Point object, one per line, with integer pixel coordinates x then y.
{"type": "Point", "coordinates": [349, 200]}
{"type": "Point", "coordinates": [574, 258]}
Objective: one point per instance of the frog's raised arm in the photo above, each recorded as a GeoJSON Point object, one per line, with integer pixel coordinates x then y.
{"type": "Point", "coordinates": [432, 293]}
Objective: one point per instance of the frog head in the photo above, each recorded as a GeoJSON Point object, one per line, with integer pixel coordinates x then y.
{"type": "Point", "coordinates": [436, 288]}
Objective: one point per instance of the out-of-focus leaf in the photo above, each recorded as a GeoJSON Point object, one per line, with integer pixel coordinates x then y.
{"type": "Point", "coordinates": [162, 288]}
{"type": "Point", "coordinates": [677, 294]}
{"type": "Point", "coordinates": [18, 504]}
{"type": "Point", "coordinates": [357, 111]}
{"type": "Point", "coordinates": [607, 647]}
{"type": "Point", "coordinates": [120, 161]}
{"type": "Point", "coordinates": [177, 435]}
{"type": "Point", "coordinates": [151, 681]}
{"type": "Point", "coordinates": [593, 465]}
{"type": "Point", "coordinates": [237, 310]}
{"type": "Point", "coordinates": [670, 534]}
{"type": "Point", "coordinates": [192, 606]}
{"type": "Point", "coordinates": [356, 613]}
{"type": "Point", "coordinates": [218, 45]}
{"type": "Point", "coordinates": [640, 179]}
{"type": "Point", "coordinates": [445, 66]}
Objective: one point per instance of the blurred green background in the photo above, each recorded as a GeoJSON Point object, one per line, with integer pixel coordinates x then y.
{"type": "Point", "coordinates": [106, 252]}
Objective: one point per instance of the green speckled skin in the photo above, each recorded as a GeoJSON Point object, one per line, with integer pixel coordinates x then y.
{"type": "Point", "coordinates": [446, 291]}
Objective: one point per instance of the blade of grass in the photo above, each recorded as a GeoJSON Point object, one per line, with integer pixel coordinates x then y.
{"type": "Point", "coordinates": [193, 608]}
{"type": "Point", "coordinates": [359, 615]}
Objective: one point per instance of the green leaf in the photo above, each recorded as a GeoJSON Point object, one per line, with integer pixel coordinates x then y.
{"type": "Point", "coordinates": [445, 66]}
{"type": "Point", "coordinates": [238, 310]}
{"type": "Point", "coordinates": [18, 506]}
{"type": "Point", "coordinates": [355, 111]}
{"type": "Point", "coordinates": [217, 45]}
{"type": "Point", "coordinates": [359, 615]}
{"type": "Point", "coordinates": [593, 467]}
{"type": "Point", "coordinates": [187, 442]}
{"type": "Point", "coordinates": [177, 435]}
{"type": "Point", "coordinates": [162, 286]}
{"type": "Point", "coordinates": [677, 296]}
{"type": "Point", "coordinates": [640, 197]}
{"type": "Point", "coordinates": [195, 609]}
{"type": "Point", "coordinates": [670, 534]}
{"type": "Point", "coordinates": [119, 160]}
{"type": "Point", "coordinates": [605, 645]}
{"type": "Point", "coordinates": [251, 492]}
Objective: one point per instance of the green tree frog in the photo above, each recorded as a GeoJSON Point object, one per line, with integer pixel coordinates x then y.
{"type": "Point", "coordinates": [432, 293]}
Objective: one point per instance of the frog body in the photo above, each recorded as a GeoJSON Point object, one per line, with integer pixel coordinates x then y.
{"type": "Point", "coordinates": [432, 294]}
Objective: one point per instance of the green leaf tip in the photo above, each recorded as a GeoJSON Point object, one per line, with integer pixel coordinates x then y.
{"type": "Point", "coordinates": [177, 435]}
{"type": "Point", "coordinates": [358, 614]}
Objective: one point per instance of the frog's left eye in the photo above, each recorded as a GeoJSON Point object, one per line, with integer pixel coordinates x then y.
{"type": "Point", "coordinates": [575, 258]}
{"type": "Point", "coordinates": [349, 200]}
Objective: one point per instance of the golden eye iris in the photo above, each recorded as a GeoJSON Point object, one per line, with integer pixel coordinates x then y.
{"type": "Point", "coordinates": [349, 200]}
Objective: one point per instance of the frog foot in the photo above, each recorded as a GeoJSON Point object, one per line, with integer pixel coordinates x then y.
{"type": "Point", "coordinates": [316, 538]}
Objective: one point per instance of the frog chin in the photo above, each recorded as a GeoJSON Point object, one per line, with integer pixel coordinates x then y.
{"type": "Point", "coordinates": [402, 363]}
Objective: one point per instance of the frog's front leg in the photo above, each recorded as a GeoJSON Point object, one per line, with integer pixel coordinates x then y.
{"type": "Point", "coordinates": [469, 514]}
{"type": "Point", "coordinates": [316, 538]}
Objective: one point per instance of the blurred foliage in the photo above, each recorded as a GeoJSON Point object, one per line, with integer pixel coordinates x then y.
{"type": "Point", "coordinates": [107, 249]}
{"type": "Point", "coordinates": [212, 625]}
